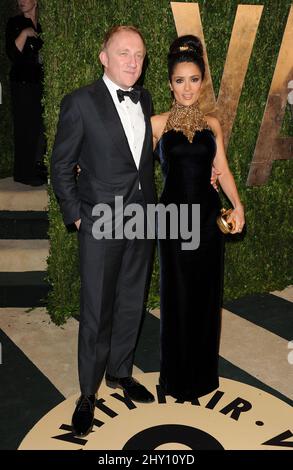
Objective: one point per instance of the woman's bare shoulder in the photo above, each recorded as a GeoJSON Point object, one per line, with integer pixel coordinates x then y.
{"type": "Point", "coordinates": [214, 123]}
{"type": "Point", "coordinates": [158, 124]}
{"type": "Point", "coordinates": [160, 118]}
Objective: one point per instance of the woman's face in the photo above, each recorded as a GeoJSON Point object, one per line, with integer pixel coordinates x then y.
{"type": "Point", "coordinates": [186, 83]}
{"type": "Point", "coordinates": [26, 6]}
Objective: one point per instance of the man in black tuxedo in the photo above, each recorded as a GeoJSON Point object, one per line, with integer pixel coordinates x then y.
{"type": "Point", "coordinates": [107, 132]}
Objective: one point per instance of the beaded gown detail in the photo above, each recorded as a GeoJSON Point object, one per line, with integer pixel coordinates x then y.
{"type": "Point", "coordinates": [191, 280]}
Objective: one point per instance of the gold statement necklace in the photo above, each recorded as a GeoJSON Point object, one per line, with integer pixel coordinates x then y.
{"type": "Point", "coordinates": [187, 119]}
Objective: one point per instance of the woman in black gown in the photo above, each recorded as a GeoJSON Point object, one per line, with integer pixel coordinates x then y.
{"type": "Point", "coordinates": [23, 44]}
{"type": "Point", "coordinates": [189, 144]}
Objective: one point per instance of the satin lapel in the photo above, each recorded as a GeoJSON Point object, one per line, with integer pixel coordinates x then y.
{"type": "Point", "coordinates": [148, 130]}
{"type": "Point", "coordinates": [110, 118]}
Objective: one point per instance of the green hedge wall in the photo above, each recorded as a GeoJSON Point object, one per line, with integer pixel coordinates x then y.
{"type": "Point", "coordinates": [7, 9]}
{"type": "Point", "coordinates": [73, 32]}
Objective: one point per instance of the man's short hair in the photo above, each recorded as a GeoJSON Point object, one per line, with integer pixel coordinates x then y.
{"type": "Point", "coordinates": [116, 29]}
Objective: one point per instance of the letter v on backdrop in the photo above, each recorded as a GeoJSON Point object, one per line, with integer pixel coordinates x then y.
{"type": "Point", "coordinates": [188, 21]}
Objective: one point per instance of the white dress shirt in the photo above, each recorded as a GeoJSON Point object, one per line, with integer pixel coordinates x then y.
{"type": "Point", "coordinates": [132, 119]}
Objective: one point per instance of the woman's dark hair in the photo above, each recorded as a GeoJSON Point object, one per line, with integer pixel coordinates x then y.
{"type": "Point", "coordinates": [186, 49]}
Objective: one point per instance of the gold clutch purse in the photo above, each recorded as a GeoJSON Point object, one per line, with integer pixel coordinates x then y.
{"type": "Point", "coordinates": [224, 226]}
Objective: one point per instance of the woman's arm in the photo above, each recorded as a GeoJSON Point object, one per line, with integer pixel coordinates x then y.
{"type": "Point", "coordinates": [225, 177]}
{"type": "Point", "coordinates": [22, 37]}
{"type": "Point", "coordinates": [15, 40]}
{"type": "Point", "coordinates": [158, 123]}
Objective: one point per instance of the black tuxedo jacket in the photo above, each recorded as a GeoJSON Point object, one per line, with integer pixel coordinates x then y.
{"type": "Point", "coordinates": [91, 134]}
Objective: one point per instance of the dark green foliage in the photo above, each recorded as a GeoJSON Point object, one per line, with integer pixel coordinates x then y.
{"type": "Point", "coordinates": [73, 33]}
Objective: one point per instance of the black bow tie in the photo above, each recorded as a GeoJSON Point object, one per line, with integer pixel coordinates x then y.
{"type": "Point", "coordinates": [134, 95]}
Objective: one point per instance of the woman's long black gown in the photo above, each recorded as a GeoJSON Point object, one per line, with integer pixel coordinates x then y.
{"type": "Point", "coordinates": [191, 281]}
{"type": "Point", "coordinates": [26, 81]}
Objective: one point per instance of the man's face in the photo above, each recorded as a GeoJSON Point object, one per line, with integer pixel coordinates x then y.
{"type": "Point", "coordinates": [123, 58]}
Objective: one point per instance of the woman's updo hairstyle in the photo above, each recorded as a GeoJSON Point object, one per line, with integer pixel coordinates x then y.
{"type": "Point", "coordinates": [186, 49]}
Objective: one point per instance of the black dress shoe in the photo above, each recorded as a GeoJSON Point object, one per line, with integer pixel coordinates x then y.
{"type": "Point", "coordinates": [83, 416]}
{"type": "Point", "coordinates": [132, 388]}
